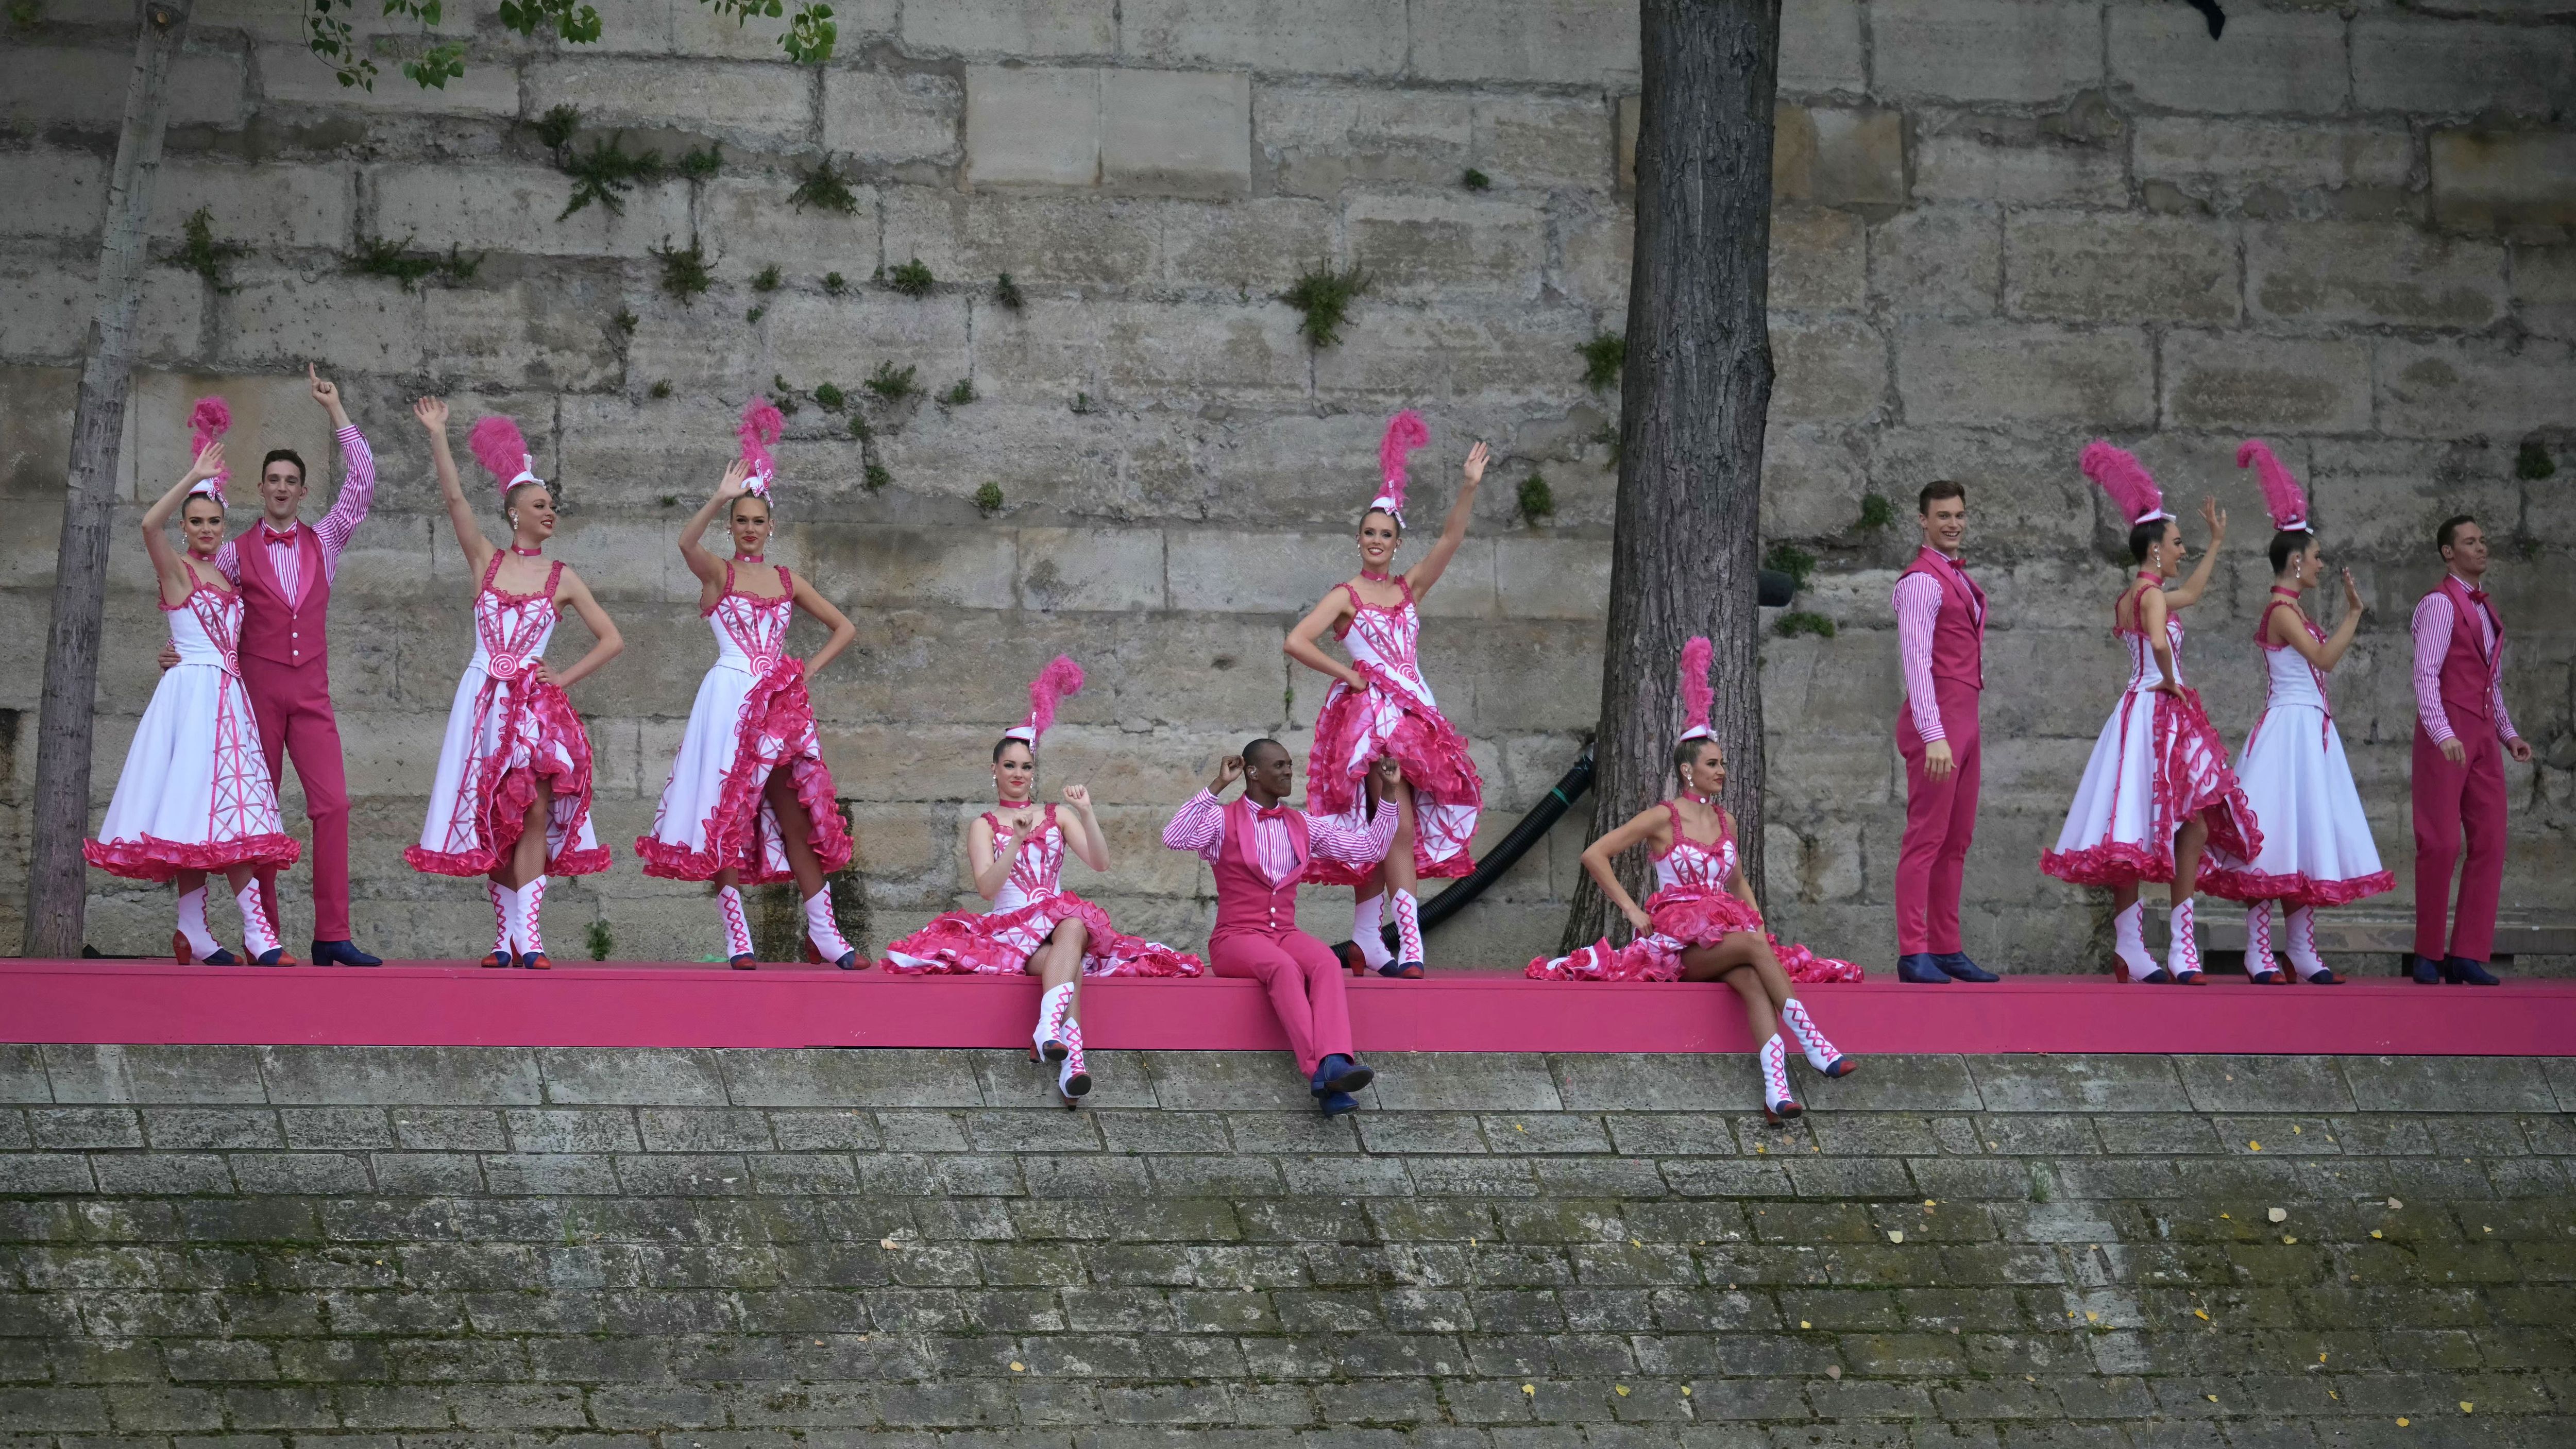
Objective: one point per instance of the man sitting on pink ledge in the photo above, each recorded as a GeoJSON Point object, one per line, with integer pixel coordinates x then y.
{"type": "Point", "coordinates": [1259, 848]}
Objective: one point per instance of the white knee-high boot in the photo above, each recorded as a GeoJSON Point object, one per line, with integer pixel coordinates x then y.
{"type": "Point", "coordinates": [259, 934]}
{"type": "Point", "coordinates": [1820, 1053]}
{"type": "Point", "coordinates": [823, 934]}
{"type": "Point", "coordinates": [192, 925]}
{"type": "Point", "coordinates": [1368, 929]}
{"type": "Point", "coordinates": [1408, 927]}
{"type": "Point", "coordinates": [505, 906]}
{"type": "Point", "coordinates": [2182, 952]}
{"type": "Point", "coordinates": [1055, 1009]}
{"type": "Point", "coordinates": [2258, 941]}
{"type": "Point", "coordinates": [1777, 1104]}
{"type": "Point", "coordinates": [737, 927]}
{"type": "Point", "coordinates": [530, 933]}
{"type": "Point", "coordinates": [2301, 947]}
{"type": "Point", "coordinates": [2129, 941]}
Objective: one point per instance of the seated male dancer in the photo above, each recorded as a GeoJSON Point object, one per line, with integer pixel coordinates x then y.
{"type": "Point", "coordinates": [1258, 848]}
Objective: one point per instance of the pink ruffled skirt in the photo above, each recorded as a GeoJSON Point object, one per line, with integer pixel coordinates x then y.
{"type": "Point", "coordinates": [1356, 728]}
{"type": "Point", "coordinates": [713, 814]}
{"type": "Point", "coordinates": [503, 738]}
{"type": "Point", "coordinates": [1684, 917]}
{"type": "Point", "coordinates": [2158, 763]}
{"type": "Point", "coordinates": [1001, 943]}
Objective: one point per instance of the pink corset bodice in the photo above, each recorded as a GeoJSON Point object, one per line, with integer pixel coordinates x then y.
{"type": "Point", "coordinates": [1388, 639]}
{"type": "Point", "coordinates": [1694, 863]}
{"type": "Point", "coordinates": [206, 627]}
{"type": "Point", "coordinates": [751, 632]}
{"type": "Point", "coordinates": [2143, 673]}
{"type": "Point", "coordinates": [1038, 870]}
{"type": "Point", "coordinates": [511, 630]}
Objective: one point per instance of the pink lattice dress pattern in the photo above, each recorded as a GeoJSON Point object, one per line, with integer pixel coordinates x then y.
{"type": "Point", "coordinates": [752, 718]}
{"type": "Point", "coordinates": [1025, 912]}
{"type": "Point", "coordinates": [504, 734]}
{"type": "Point", "coordinates": [195, 792]}
{"type": "Point", "coordinates": [1396, 715]}
{"type": "Point", "coordinates": [1691, 906]}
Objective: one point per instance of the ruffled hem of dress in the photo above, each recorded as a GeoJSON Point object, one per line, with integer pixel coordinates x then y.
{"type": "Point", "coordinates": [775, 717]}
{"type": "Point", "coordinates": [1322, 872]}
{"type": "Point", "coordinates": [154, 859]}
{"type": "Point", "coordinates": [506, 796]}
{"type": "Point", "coordinates": [2294, 889]}
{"type": "Point", "coordinates": [2180, 721]}
{"type": "Point", "coordinates": [2114, 863]}
{"type": "Point", "coordinates": [965, 943]}
{"type": "Point", "coordinates": [1684, 918]}
{"type": "Point", "coordinates": [1432, 754]}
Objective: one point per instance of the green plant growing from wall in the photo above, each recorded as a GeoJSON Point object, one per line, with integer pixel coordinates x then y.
{"type": "Point", "coordinates": [601, 940]}
{"type": "Point", "coordinates": [1537, 502]}
{"type": "Point", "coordinates": [605, 173]}
{"type": "Point", "coordinates": [1323, 300]}
{"type": "Point", "coordinates": [754, 314]}
{"type": "Point", "coordinates": [829, 398]}
{"type": "Point", "coordinates": [625, 321]}
{"type": "Point", "coordinates": [2531, 463]}
{"type": "Point", "coordinates": [670, 500]}
{"type": "Point", "coordinates": [834, 284]}
{"type": "Point", "coordinates": [859, 428]}
{"type": "Point", "coordinates": [700, 165]}
{"type": "Point", "coordinates": [556, 127]}
{"type": "Point", "coordinates": [808, 38]}
{"type": "Point", "coordinates": [960, 395]}
{"type": "Point", "coordinates": [1607, 435]}
{"type": "Point", "coordinates": [1604, 357]}
{"type": "Point", "coordinates": [396, 262]}
{"type": "Point", "coordinates": [988, 499]}
{"type": "Point", "coordinates": [782, 393]}
{"type": "Point", "coordinates": [685, 275]}
{"type": "Point", "coordinates": [892, 383]}
{"type": "Point", "coordinates": [1083, 406]}
{"type": "Point", "coordinates": [824, 189]}
{"type": "Point", "coordinates": [1792, 560]}
{"type": "Point", "coordinates": [876, 477]}
{"type": "Point", "coordinates": [1794, 624]}
{"type": "Point", "coordinates": [911, 278]}
{"type": "Point", "coordinates": [1875, 511]}
{"type": "Point", "coordinates": [661, 389]}
{"type": "Point", "coordinates": [1007, 292]}
{"type": "Point", "coordinates": [766, 279]}
{"type": "Point", "coordinates": [200, 253]}
{"type": "Point", "coordinates": [1476, 180]}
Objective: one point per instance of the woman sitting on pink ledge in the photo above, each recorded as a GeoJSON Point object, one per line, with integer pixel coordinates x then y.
{"type": "Point", "coordinates": [1016, 853]}
{"type": "Point", "coordinates": [1701, 923]}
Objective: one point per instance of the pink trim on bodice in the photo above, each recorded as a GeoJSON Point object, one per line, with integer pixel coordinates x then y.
{"type": "Point", "coordinates": [1700, 865]}
{"type": "Point", "coordinates": [754, 625]}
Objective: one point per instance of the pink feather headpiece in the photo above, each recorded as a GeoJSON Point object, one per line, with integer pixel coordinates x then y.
{"type": "Point", "coordinates": [2282, 494]}
{"type": "Point", "coordinates": [1061, 678]}
{"type": "Point", "coordinates": [209, 422]}
{"type": "Point", "coordinates": [1404, 432]}
{"type": "Point", "coordinates": [1699, 696]}
{"type": "Point", "coordinates": [761, 426]}
{"type": "Point", "coordinates": [498, 446]}
{"type": "Point", "coordinates": [2131, 487]}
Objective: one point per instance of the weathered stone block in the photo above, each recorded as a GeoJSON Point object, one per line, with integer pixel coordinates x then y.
{"type": "Point", "coordinates": [511, 209]}
{"type": "Point", "coordinates": [1578, 42]}
{"type": "Point", "coordinates": [2008, 372]}
{"type": "Point", "coordinates": [2270, 61]}
{"type": "Point", "coordinates": [51, 308]}
{"type": "Point", "coordinates": [1838, 157]}
{"type": "Point", "coordinates": [1832, 368]}
{"type": "Point", "coordinates": [2228, 380]}
{"type": "Point", "coordinates": [1544, 141]}
{"type": "Point", "coordinates": [2425, 66]}
{"type": "Point", "coordinates": [1040, 240]}
{"type": "Point", "coordinates": [1955, 162]}
{"type": "Point", "coordinates": [1938, 261]}
{"type": "Point", "coordinates": [1453, 355]}
{"type": "Point", "coordinates": [1177, 133]}
{"type": "Point", "coordinates": [2371, 273]}
{"type": "Point", "coordinates": [771, 102]}
{"type": "Point", "coordinates": [1323, 37]}
{"type": "Point", "coordinates": [880, 117]}
{"type": "Point", "coordinates": [1442, 242]}
{"type": "Point", "coordinates": [1144, 348]}
{"type": "Point", "coordinates": [1820, 47]}
{"type": "Point", "coordinates": [64, 193]}
{"type": "Point", "coordinates": [2088, 267]}
{"type": "Point", "coordinates": [1318, 138]}
{"type": "Point", "coordinates": [2445, 389]}
{"type": "Point", "coordinates": [291, 74]}
{"type": "Point", "coordinates": [2544, 289]}
{"type": "Point", "coordinates": [2502, 180]}
{"type": "Point", "coordinates": [84, 89]}
{"type": "Point", "coordinates": [1817, 259]}
{"type": "Point", "coordinates": [1984, 50]}
{"type": "Point", "coordinates": [1256, 246]}
{"type": "Point", "coordinates": [1552, 578]}
{"type": "Point", "coordinates": [1032, 127]}
{"type": "Point", "coordinates": [1013, 28]}
{"type": "Point", "coordinates": [2239, 154]}
{"type": "Point", "coordinates": [747, 223]}
{"type": "Point", "coordinates": [1093, 568]}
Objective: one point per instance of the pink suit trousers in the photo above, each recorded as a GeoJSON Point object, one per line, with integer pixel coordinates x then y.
{"type": "Point", "coordinates": [1940, 821]}
{"type": "Point", "coordinates": [1305, 981]}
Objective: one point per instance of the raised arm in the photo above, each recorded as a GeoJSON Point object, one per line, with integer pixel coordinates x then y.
{"type": "Point", "coordinates": [357, 476]}
{"type": "Point", "coordinates": [1453, 529]}
{"type": "Point", "coordinates": [1082, 835]}
{"type": "Point", "coordinates": [1301, 645]}
{"type": "Point", "coordinates": [1642, 827]}
{"type": "Point", "coordinates": [2189, 593]}
{"type": "Point", "coordinates": [1354, 839]}
{"type": "Point", "coordinates": [2286, 627]}
{"type": "Point", "coordinates": [1199, 825]}
{"type": "Point", "coordinates": [811, 600]}
{"type": "Point", "coordinates": [708, 567]}
{"type": "Point", "coordinates": [570, 590]}
{"type": "Point", "coordinates": [432, 413]}
{"type": "Point", "coordinates": [167, 566]}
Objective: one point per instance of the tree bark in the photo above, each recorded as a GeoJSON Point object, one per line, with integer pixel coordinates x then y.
{"type": "Point", "coordinates": [57, 876]}
{"type": "Point", "coordinates": [1696, 389]}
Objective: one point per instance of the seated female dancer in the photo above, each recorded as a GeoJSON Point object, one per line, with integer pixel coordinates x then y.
{"type": "Point", "coordinates": [194, 795]}
{"type": "Point", "coordinates": [1380, 707]}
{"type": "Point", "coordinates": [1701, 923]}
{"type": "Point", "coordinates": [749, 799]}
{"type": "Point", "coordinates": [2157, 789]}
{"type": "Point", "coordinates": [512, 799]}
{"type": "Point", "coordinates": [1015, 853]}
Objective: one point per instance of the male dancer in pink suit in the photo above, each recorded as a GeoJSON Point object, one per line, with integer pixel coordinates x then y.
{"type": "Point", "coordinates": [2461, 731]}
{"type": "Point", "coordinates": [284, 571]}
{"type": "Point", "coordinates": [1258, 849]}
{"type": "Point", "coordinates": [1941, 640]}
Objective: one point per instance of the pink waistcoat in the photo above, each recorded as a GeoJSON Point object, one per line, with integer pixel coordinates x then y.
{"type": "Point", "coordinates": [1246, 901]}
{"type": "Point", "coordinates": [2469, 670]}
{"type": "Point", "coordinates": [1959, 630]}
{"type": "Point", "coordinates": [273, 629]}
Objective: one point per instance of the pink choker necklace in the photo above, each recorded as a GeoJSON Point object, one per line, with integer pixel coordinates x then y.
{"type": "Point", "coordinates": [1695, 796]}
{"type": "Point", "coordinates": [1372, 578]}
{"type": "Point", "coordinates": [537, 552]}
{"type": "Point", "coordinates": [200, 557]}
{"type": "Point", "coordinates": [749, 558]}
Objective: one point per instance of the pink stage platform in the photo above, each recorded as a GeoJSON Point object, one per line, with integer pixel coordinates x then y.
{"type": "Point", "coordinates": [426, 1003]}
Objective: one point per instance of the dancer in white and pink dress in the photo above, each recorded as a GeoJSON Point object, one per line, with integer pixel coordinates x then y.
{"type": "Point", "coordinates": [1016, 852]}
{"type": "Point", "coordinates": [512, 798]}
{"type": "Point", "coordinates": [1379, 704]}
{"type": "Point", "coordinates": [2157, 789]}
{"type": "Point", "coordinates": [1701, 923]}
{"type": "Point", "coordinates": [195, 796]}
{"type": "Point", "coordinates": [749, 799]}
{"type": "Point", "coordinates": [2317, 846]}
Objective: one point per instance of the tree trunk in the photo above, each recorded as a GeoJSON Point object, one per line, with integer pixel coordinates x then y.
{"type": "Point", "coordinates": [57, 876]}
{"type": "Point", "coordinates": [1683, 554]}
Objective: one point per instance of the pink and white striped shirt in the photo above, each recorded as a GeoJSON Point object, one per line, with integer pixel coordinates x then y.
{"type": "Point", "coordinates": [2434, 619]}
{"type": "Point", "coordinates": [348, 510]}
{"type": "Point", "coordinates": [1917, 601]}
{"type": "Point", "coordinates": [1199, 826]}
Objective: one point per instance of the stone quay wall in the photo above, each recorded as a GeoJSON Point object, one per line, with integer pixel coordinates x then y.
{"type": "Point", "coordinates": [491, 1248]}
{"type": "Point", "coordinates": [2002, 228]}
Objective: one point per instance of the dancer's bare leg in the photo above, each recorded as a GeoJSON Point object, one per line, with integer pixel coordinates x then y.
{"type": "Point", "coordinates": [1744, 961]}
{"type": "Point", "coordinates": [794, 830]}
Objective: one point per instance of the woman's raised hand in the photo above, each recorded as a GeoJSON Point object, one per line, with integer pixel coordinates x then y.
{"type": "Point", "coordinates": [432, 413]}
{"type": "Point", "coordinates": [736, 479]}
{"type": "Point", "coordinates": [2216, 518]}
{"type": "Point", "coordinates": [2351, 593]}
{"type": "Point", "coordinates": [209, 462]}
{"type": "Point", "coordinates": [1078, 797]}
{"type": "Point", "coordinates": [1475, 469]}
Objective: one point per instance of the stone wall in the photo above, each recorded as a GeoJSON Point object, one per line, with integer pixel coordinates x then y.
{"type": "Point", "coordinates": [2002, 228]}
{"type": "Point", "coordinates": [342, 1248]}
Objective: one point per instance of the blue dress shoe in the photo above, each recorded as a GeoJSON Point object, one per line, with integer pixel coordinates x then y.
{"type": "Point", "coordinates": [1336, 1104]}
{"type": "Point", "coordinates": [1957, 966]}
{"type": "Point", "coordinates": [1922, 970]}
{"type": "Point", "coordinates": [2461, 971]}
{"type": "Point", "coordinates": [2426, 971]}
{"type": "Point", "coordinates": [342, 953]}
{"type": "Point", "coordinates": [1339, 1074]}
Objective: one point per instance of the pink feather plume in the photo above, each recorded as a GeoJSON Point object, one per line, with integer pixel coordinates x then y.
{"type": "Point", "coordinates": [209, 421]}
{"type": "Point", "coordinates": [499, 447]}
{"type": "Point", "coordinates": [2282, 494]}
{"type": "Point", "coordinates": [761, 426]}
{"type": "Point", "coordinates": [1061, 678]}
{"type": "Point", "coordinates": [1699, 696]}
{"type": "Point", "coordinates": [2121, 475]}
{"type": "Point", "coordinates": [1404, 432]}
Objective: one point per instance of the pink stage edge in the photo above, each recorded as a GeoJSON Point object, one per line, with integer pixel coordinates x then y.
{"type": "Point", "coordinates": [425, 1003]}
